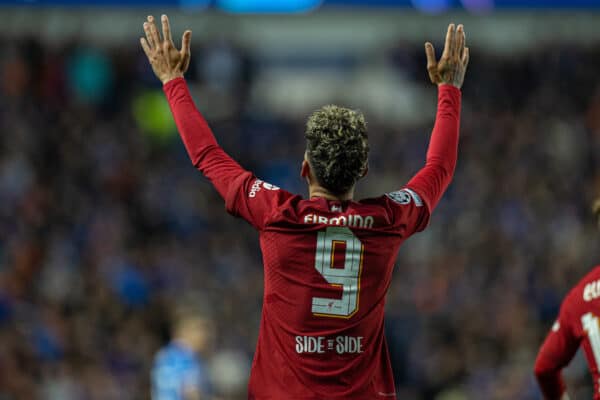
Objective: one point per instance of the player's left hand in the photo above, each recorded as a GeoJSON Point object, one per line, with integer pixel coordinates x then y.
{"type": "Point", "coordinates": [167, 62]}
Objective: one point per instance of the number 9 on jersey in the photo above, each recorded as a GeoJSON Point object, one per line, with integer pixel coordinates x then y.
{"type": "Point", "coordinates": [346, 275]}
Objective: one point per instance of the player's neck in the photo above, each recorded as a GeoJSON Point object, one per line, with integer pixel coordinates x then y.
{"type": "Point", "coordinates": [317, 191]}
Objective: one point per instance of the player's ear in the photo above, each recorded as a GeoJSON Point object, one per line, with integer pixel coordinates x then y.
{"type": "Point", "coordinates": [305, 170]}
{"type": "Point", "coordinates": [365, 172]}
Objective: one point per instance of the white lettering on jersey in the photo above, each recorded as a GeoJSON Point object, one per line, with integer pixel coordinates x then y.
{"type": "Point", "coordinates": [349, 344]}
{"type": "Point", "coordinates": [322, 344]}
{"type": "Point", "coordinates": [405, 196]}
{"type": "Point", "coordinates": [256, 186]}
{"type": "Point", "coordinates": [591, 291]}
{"type": "Point", "coordinates": [592, 329]}
{"type": "Point", "coordinates": [310, 344]}
{"type": "Point", "coordinates": [352, 220]}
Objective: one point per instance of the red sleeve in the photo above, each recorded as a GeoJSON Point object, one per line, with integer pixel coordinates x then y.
{"type": "Point", "coordinates": [558, 349]}
{"type": "Point", "coordinates": [255, 200]}
{"type": "Point", "coordinates": [408, 210]}
{"type": "Point", "coordinates": [200, 143]}
{"type": "Point", "coordinates": [245, 195]}
{"type": "Point", "coordinates": [433, 179]}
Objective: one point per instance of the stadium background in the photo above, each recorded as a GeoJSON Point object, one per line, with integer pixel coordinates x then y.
{"type": "Point", "coordinates": [105, 227]}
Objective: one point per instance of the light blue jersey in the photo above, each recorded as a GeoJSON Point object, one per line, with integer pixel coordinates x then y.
{"type": "Point", "coordinates": [177, 370]}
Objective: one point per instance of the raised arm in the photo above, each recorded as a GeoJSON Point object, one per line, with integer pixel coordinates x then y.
{"type": "Point", "coordinates": [448, 74]}
{"type": "Point", "coordinates": [169, 65]}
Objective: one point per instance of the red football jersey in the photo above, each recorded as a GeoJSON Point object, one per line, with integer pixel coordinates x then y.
{"type": "Point", "coordinates": [327, 264]}
{"type": "Point", "coordinates": [577, 324]}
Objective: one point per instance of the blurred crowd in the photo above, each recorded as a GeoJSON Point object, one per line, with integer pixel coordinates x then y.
{"type": "Point", "coordinates": [106, 228]}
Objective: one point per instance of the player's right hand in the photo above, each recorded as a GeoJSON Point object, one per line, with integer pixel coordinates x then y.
{"type": "Point", "coordinates": [167, 62]}
{"type": "Point", "coordinates": [451, 68]}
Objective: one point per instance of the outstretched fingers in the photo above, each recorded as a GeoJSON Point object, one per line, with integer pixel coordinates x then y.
{"type": "Point", "coordinates": [460, 42]}
{"type": "Point", "coordinates": [431, 62]}
{"type": "Point", "coordinates": [450, 69]}
{"type": "Point", "coordinates": [154, 32]}
{"type": "Point", "coordinates": [146, 47]}
{"type": "Point", "coordinates": [167, 61]}
{"type": "Point", "coordinates": [185, 48]}
{"type": "Point", "coordinates": [185, 42]}
{"type": "Point", "coordinates": [430, 53]}
{"type": "Point", "coordinates": [449, 46]}
{"type": "Point", "coordinates": [166, 28]}
{"type": "Point", "coordinates": [464, 55]}
{"type": "Point", "coordinates": [149, 39]}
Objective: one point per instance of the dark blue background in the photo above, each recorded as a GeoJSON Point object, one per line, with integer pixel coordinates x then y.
{"type": "Point", "coordinates": [302, 5]}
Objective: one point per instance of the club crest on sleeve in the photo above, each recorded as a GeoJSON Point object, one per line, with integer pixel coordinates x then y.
{"type": "Point", "coordinates": [258, 184]}
{"type": "Point", "coordinates": [405, 196]}
{"type": "Point", "coordinates": [556, 326]}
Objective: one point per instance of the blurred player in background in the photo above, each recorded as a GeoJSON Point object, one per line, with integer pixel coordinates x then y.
{"type": "Point", "coordinates": [328, 259]}
{"type": "Point", "coordinates": [180, 372]}
{"type": "Point", "coordinates": [577, 324]}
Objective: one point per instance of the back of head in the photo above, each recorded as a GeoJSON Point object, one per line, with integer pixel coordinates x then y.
{"type": "Point", "coordinates": [337, 147]}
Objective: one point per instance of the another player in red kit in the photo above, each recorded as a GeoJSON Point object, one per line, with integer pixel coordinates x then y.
{"type": "Point", "coordinates": [328, 259]}
{"type": "Point", "coordinates": [577, 324]}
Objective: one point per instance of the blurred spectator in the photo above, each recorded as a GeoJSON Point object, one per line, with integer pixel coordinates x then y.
{"type": "Point", "coordinates": [180, 369]}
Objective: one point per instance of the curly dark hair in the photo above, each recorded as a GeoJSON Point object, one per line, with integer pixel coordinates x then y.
{"type": "Point", "coordinates": [337, 147]}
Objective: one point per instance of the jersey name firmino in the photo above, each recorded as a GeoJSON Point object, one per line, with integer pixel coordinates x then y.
{"type": "Point", "coordinates": [352, 220]}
